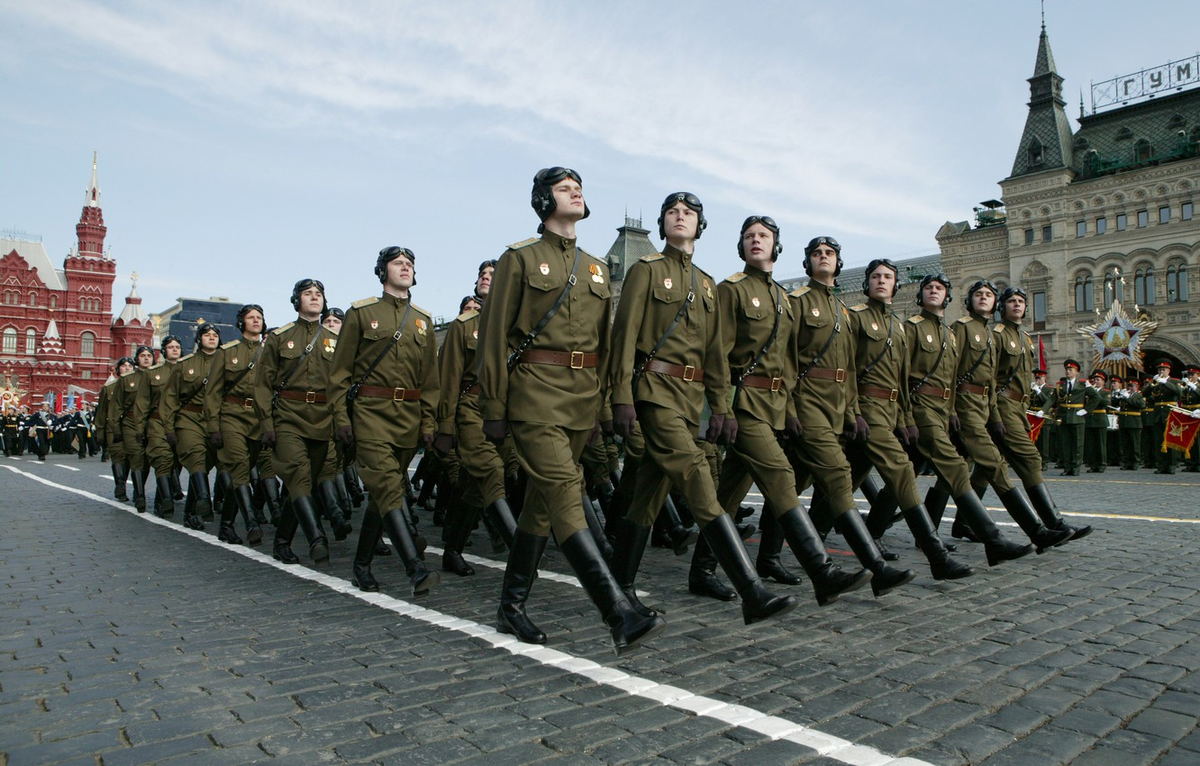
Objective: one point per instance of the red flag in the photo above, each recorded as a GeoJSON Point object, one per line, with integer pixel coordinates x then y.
{"type": "Point", "coordinates": [1035, 425]}
{"type": "Point", "coordinates": [1042, 354]}
{"type": "Point", "coordinates": [1180, 433]}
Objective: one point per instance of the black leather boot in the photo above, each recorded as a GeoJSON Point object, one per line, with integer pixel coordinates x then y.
{"type": "Point", "coordinates": [627, 558]}
{"type": "Point", "coordinates": [1042, 538]}
{"type": "Point", "coordinates": [758, 603]}
{"type": "Point", "coordinates": [884, 578]}
{"type": "Point", "coordinates": [285, 530]}
{"type": "Point", "coordinates": [519, 575]}
{"type": "Point", "coordinates": [998, 547]}
{"type": "Point", "coordinates": [306, 516]}
{"type": "Point", "coordinates": [935, 505]}
{"type": "Point", "coordinates": [176, 487]}
{"type": "Point", "coordinates": [244, 498]}
{"type": "Point", "coordinates": [258, 498]}
{"type": "Point", "coordinates": [828, 579]}
{"type": "Point", "coordinates": [190, 519]}
{"type": "Point", "coordinates": [226, 533]}
{"type": "Point", "coordinates": [770, 545]}
{"type": "Point", "coordinates": [502, 518]}
{"type": "Point", "coordinates": [702, 574]}
{"type": "Point", "coordinates": [138, 478]}
{"type": "Point", "coordinates": [353, 484]}
{"type": "Point", "coordinates": [940, 564]}
{"type": "Point", "coordinates": [629, 628]}
{"type": "Point", "coordinates": [681, 536]}
{"type": "Point", "coordinates": [328, 493]}
{"type": "Point", "coordinates": [421, 578]}
{"type": "Point", "coordinates": [364, 553]}
{"type": "Point", "coordinates": [120, 472]}
{"type": "Point", "coordinates": [596, 528]}
{"type": "Point", "coordinates": [198, 483]}
{"type": "Point", "coordinates": [1039, 497]}
{"type": "Point", "coordinates": [270, 488]}
{"type": "Point", "coordinates": [164, 506]}
{"type": "Point", "coordinates": [459, 523]}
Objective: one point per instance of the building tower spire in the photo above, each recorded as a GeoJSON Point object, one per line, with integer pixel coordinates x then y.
{"type": "Point", "coordinates": [90, 231]}
{"type": "Point", "coordinates": [1046, 141]}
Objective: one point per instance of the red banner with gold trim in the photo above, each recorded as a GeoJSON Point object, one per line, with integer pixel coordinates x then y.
{"type": "Point", "coordinates": [1035, 424]}
{"type": "Point", "coordinates": [1180, 433]}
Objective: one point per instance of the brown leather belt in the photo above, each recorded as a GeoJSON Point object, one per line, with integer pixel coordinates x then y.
{"type": "Point", "coordinates": [154, 415]}
{"type": "Point", "coordinates": [576, 360]}
{"type": "Point", "coordinates": [889, 394]}
{"type": "Point", "coordinates": [395, 394]}
{"type": "Point", "coordinates": [971, 388]}
{"type": "Point", "coordinates": [308, 397]}
{"type": "Point", "coordinates": [686, 372]}
{"type": "Point", "coordinates": [192, 408]}
{"type": "Point", "coordinates": [1015, 395]}
{"type": "Point", "coordinates": [471, 390]}
{"type": "Point", "coordinates": [243, 401]}
{"type": "Point", "coordinates": [825, 373]}
{"type": "Point", "coordinates": [774, 385]}
{"type": "Point", "coordinates": [928, 390]}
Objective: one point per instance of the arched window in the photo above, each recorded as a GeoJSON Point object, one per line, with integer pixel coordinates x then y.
{"type": "Point", "coordinates": [30, 342]}
{"type": "Point", "coordinates": [1036, 155]}
{"type": "Point", "coordinates": [1142, 151]}
{"type": "Point", "coordinates": [53, 301]}
{"type": "Point", "coordinates": [1143, 286]}
{"type": "Point", "coordinates": [87, 344]}
{"type": "Point", "coordinates": [1084, 294]}
{"type": "Point", "coordinates": [1114, 288]}
{"type": "Point", "coordinates": [10, 341]}
{"type": "Point", "coordinates": [33, 299]}
{"type": "Point", "coordinates": [1177, 286]}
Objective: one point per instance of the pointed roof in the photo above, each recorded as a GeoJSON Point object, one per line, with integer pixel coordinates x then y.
{"type": "Point", "coordinates": [1045, 59]}
{"type": "Point", "coordinates": [52, 341]}
{"type": "Point", "coordinates": [632, 243]}
{"type": "Point", "coordinates": [92, 195]}
{"type": "Point", "coordinates": [133, 313]}
{"type": "Point", "coordinates": [1046, 141]}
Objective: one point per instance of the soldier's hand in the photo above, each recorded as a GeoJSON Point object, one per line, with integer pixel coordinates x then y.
{"type": "Point", "coordinates": [955, 424]}
{"type": "Point", "coordinates": [862, 431]}
{"type": "Point", "coordinates": [914, 433]}
{"type": "Point", "coordinates": [141, 438]}
{"type": "Point", "coordinates": [344, 435]}
{"type": "Point", "coordinates": [1082, 413]}
{"type": "Point", "coordinates": [729, 431]}
{"type": "Point", "coordinates": [606, 428]}
{"type": "Point", "coordinates": [495, 430]}
{"type": "Point", "coordinates": [715, 424]}
{"type": "Point", "coordinates": [268, 439]}
{"type": "Point", "coordinates": [443, 443]}
{"type": "Point", "coordinates": [1040, 413]}
{"type": "Point", "coordinates": [624, 420]}
{"type": "Point", "coordinates": [997, 428]}
{"type": "Point", "coordinates": [793, 428]}
{"type": "Point", "coordinates": [170, 437]}
{"type": "Point", "coordinates": [427, 440]}
{"type": "Point", "coordinates": [902, 435]}
{"type": "Point", "coordinates": [216, 439]}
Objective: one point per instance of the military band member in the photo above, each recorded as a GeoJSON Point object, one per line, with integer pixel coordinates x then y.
{"type": "Point", "coordinates": [384, 396]}
{"type": "Point", "coordinates": [548, 314]}
{"type": "Point", "coordinates": [37, 430]}
{"type": "Point", "coordinates": [1163, 392]}
{"type": "Point", "coordinates": [11, 425]}
{"type": "Point", "coordinates": [1116, 385]}
{"type": "Point", "coordinates": [187, 425]}
{"type": "Point", "coordinates": [1069, 403]}
{"type": "Point", "coordinates": [1129, 423]}
{"type": "Point", "coordinates": [1189, 399]}
{"type": "Point", "coordinates": [1095, 442]}
{"type": "Point", "coordinates": [296, 421]}
{"type": "Point", "coordinates": [159, 451]}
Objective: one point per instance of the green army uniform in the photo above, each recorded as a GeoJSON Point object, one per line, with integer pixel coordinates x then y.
{"type": "Point", "coordinates": [159, 451]}
{"type": "Point", "coordinates": [1095, 443]}
{"type": "Point", "coordinates": [108, 427]}
{"type": "Point", "coordinates": [1163, 395]}
{"type": "Point", "coordinates": [10, 434]}
{"type": "Point", "coordinates": [1113, 430]}
{"type": "Point", "coordinates": [1129, 428]}
{"type": "Point", "coordinates": [231, 398]}
{"type": "Point", "coordinates": [1189, 399]}
{"type": "Point", "coordinates": [184, 417]}
{"type": "Point", "coordinates": [1039, 400]}
{"type": "Point", "coordinates": [387, 355]}
{"type": "Point", "coordinates": [131, 398]}
{"type": "Point", "coordinates": [1069, 400]}
{"type": "Point", "coordinates": [975, 403]}
{"type": "Point", "coordinates": [1150, 427]}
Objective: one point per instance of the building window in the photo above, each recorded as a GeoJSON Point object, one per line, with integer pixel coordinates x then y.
{"type": "Point", "coordinates": [1164, 214]}
{"type": "Point", "coordinates": [1084, 297]}
{"type": "Point", "coordinates": [1143, 287]}
{"type": "Point", "coordinates": [10, 341]}
{"type": "Point", "coordinates": [33, 299]}
{"type": "Point", "coordinates": [1029, 236]}
{"type": "Point", "coordinates": [1185, 211]}
{"type": "Point", "coordinates": [1039, 310]}
{"type": "Point", "coordinates": [1036, 155]}
{"type": "Point", "coordinates": [1177, 287]}
{"type": "Point", "coordinates": [30, 342]}
{"type": "Point", "coordinates": [1122, 222]}
{"type": "Point", "coordinates": [1080, 228]}
{"type": "Point", "coordinates": [1114, 288]}
{"type": "Point", "coordinates": [1046, 232]}
{"type": "Point", "coordinates": [1142, 151]}
{"type": "Point", "coordinates": [1143, 219]}
{"type": "Point", "coordinates": [53, 301]}
{"type": "Point", "coordinates": [1101, 225]}
{"type": "Point", "coordinates": [87, 344]}
{"type": "Point", "coordinates": [86, 374]}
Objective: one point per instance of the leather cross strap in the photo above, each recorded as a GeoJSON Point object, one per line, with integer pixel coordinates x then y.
{"type": "Point", "coordinates": [395, 394]}
{"type": "Point", "coordinates": [686, 372]}
{"type": "Point", "coordinates": [576, 360]}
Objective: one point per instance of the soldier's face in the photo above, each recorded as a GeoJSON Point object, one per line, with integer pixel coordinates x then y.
{"type": "Point", "coordinates": [484, 283]}
{"type": "Point", "coordinates": [209, 341]}
{"type": "Point", "coordinates": [1041, 379]}
{"type": "Point", "coordinates": [332, 323]}
{"type": "Point", "coordinates": [933, 295]}
{"type": "Point", "coordinates": [881, 284]}
{"type": "Point", "coordinates": [400, 273]}
{"type": "Point", "coordinates": [145, 359]}
{"type": "Point", "coordinates": [471, 306]}
{"type": "Point", "coordinates": [568, 199]}
{"type": "Point", "coordinates": [1072, 373]}
{"type": "Point", "coordinates": [680, 222]}
{"type": "Point", "coordinates": [1014, 308]}
{"type": "Point", "coordinates": [823, 261]}
{"type": "Point", "coordinates": [1134, 386]}
{"type": "Point", "coordinates": [125, 368]}
{"type": "Point", "coordinates": [253, 322]}
{"type": "Point", "coordinates": [311, 300]}
{"type": "Point", "coordinates": [983, 301]}
{"type": "Point", "coordinates": [758, 245]}
{"type": "Point", "coordinates": [173, 351]}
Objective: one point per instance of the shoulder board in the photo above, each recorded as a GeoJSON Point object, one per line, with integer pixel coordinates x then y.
{"type": "Point", "coordinates": [365, 302]}
{"type": "Point", "coordinates": [652, 258]}
{"type": "Point", "coordinates": [156, 366]}
{"type": "Point", "coordinates": [859, 307]}
{"type": "Point", "coordinates": [998, 329]}
{"type": "Point", "coordinates": [800, 292]}
{"type": "Point", "coordinates": [522, 243]}
{"type": "Point", "coordinates": [185, 358]}
{"type": "Point", "coordinates": [962, 320]}
{"type": "Point", "coordinates": [423, 311]}
{"type": "Point", "coordinates": [283, 329]}
{"type": "Point", "coordinates": [733, 279]}
{"type": "Point", "coordinates": [916, 319]}
{"type": "Point", "coordinates": [230, 344]}
{"type": "Point", "coordinates": [466, 315]}
{"type": "Point", "coordinates": [589, 255]}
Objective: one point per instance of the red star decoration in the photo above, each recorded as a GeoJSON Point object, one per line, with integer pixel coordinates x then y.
{"type": "Point", "coordinates": [1103, 331]}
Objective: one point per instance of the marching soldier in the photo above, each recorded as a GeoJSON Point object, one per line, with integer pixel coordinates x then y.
{"type": "Point", "coordinates": [1069, 403]}
{"type": "Point", "coordinates": [132, 399]}
{"type": "Point", "coordinates": [383, 397]}
{"type": "Point", "coordinates": [1189, 399]}
{"type": "Point", "coordinates": [109, 427]}
{"type": "Point", "coordinates": [1129, 424]}
{"type": "Point", "coordinates": [186, 424]}
{"type": "Point", "coordinates": [296, 421]}
{"type": "Point", "coordinates": [1095, 442]}
{"type": "Point", "coordinates": [159, 451]}
{"type": "Point", "coordinates": [1163, 392]}
{"type": "Point", "coordinates": [543, 346]}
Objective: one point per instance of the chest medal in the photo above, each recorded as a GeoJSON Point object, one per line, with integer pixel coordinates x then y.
{"type": "Point", "coordinates": [667, 283]}
{"type": "Point", "coordinates": [544, 268]}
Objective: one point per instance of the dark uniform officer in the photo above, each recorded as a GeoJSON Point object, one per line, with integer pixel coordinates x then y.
{"type": "Point", "coordinates": [548, 312]}
{"type": "Point", "coordinates": [1069, 402]}
{"type": "Point", "coordinates": [1189, 399]}
{"type": "Point", "coordinates": [159, 451]}
{"type": "Point", "coordinates": [1163, 392]}
{"type": "Point", "coordinates": [296, 422]}
{"type": "Point", "coordinates": [187, 425]}
{"type": "Point", "coordinates": [383, 395]}
{"type": "Point", "coordinates": [1095, 443]}
{"type": "Point", "coordinates": [11, 424]}
{"type": "Point", "coordinates": [1131, 405]}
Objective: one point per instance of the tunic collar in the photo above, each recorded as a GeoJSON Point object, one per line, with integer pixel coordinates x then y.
{"type": "Point", "coordinates": [675, 253]}
{"type": "Point", "coordinates": [557, 241]}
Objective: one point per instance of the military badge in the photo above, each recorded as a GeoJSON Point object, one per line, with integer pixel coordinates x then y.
{"type": "Point", "coordinates": [291, 344]}
{"type": "Point", "coordinates": [755, 301]}
{"type": "Point", "coordinates": [544, 268]}
{"type": "Point", "coordinates": [597, 274]}
{"type": "Point", "coordinates": [420, 326]}
{"type": "Point", "coordinates": [234, 361]}
{"type": "Point", "coordinates": [374, 324]}
{"type": "Point", "coordinates": [475, 335]}
{"type": "Point", "coordinates": [330, 344]}
{"type": "Point", "coordinates": [158, 377]}
{"type": "Point", "coordinates": [929, 339]}
{"type": "Point", "coordinates": [708, 290]}
{"type": "Point", "coordinates": [1012, 343]}
{"type": "Point", "coordinates": [976, 338]}
{"type": "Point", "coordinates": [667, 283]}
{"type": "Point", "coordinates": [190, 371]}
{"type": "Point", "coordinates": [816, 312]}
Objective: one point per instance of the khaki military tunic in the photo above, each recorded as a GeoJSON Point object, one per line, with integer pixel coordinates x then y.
{"type": "Point", "coordinates": [131, 399]}
{"type": "Point", "coordinates": [398, 399]}
{"type": "Point", "coordinates": [551, 408]}
{"type": "Point", "coordinates": [670, 400]}
{"type": "Point", "coordinates": [158, 450]}
{"type": "Point", "coordinates": [108, 423]}
{"type": "Point", "coordinates": [459, 413]}
{"type": "Point", "coordinates": [1014, 395]}
{"type": "Point", "coordinates": [975, 403]}
{"type": "Point", "coordinates": [231, 398]}
{"type": "Point", "coordinates": [933, 359]}
{"type": "Point", "coordinates": [300, 416]}
{"type": "Point", "coordinates": [182, 409]}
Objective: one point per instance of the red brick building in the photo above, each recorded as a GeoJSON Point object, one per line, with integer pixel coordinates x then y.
{"type": "Point", "coordinates": [57, 331]}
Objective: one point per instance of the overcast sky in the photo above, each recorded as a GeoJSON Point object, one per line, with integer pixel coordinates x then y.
{"type": "Point", "coordinates": [246, 145]}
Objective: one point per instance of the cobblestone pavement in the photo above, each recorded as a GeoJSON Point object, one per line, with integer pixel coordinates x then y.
{"type": "Point", "coordinates": [127, 639]}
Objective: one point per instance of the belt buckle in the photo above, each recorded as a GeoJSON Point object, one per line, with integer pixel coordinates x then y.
{"type": "Point", "coordinates": [986, 389]}
{"type": "Point", "coordinates": [398, 394]}
{"type": "Point", "coordinates": [839, 375]}
{"type": "Point", "coordinates": [776, 385]}
{"type": "Point", "coordinates": [895, 394]}
{"type": "Point", "coordinates": [689, 373]}
{"type": "Point", "coordinates": [310, 397]}
{"type": "Point", "coordinates": [574, 356]}
{"type": "Point", "coordinates": [247, 403]}
{"type": "Point", "coordinates": [946, 393]}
